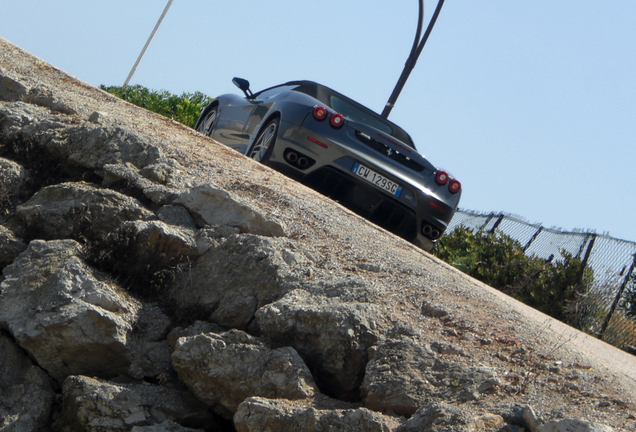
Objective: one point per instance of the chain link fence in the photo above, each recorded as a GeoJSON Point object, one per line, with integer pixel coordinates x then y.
{"type": "Point", "coordinates": [599, 311]}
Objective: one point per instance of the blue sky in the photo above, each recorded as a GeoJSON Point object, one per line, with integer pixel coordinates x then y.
{"type": "Point", "coordinates": [531, 105]}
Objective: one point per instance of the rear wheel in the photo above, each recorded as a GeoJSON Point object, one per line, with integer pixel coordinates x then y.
{"type": "Point", "coordinates": [207, 125]}
{"type": "Point", "coordinates": [264, 142]}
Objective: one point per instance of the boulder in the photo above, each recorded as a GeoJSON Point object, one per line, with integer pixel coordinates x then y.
{"type": "Point", "coordinates": [13, 181]}
{"type": "Point", "coordinates": [176, 215]}
{"type": "Point", "coordinates": [72, 319]}
{"type": "Point", "coordinates": [11, 89]}
{"type": "Point", "coordinates": [404, 375]}
{"type": "Point", "coordinates": [149, 350]}
{"type": "Point", "coordinates": [43, 96]}
{"type": "Point", "coordinates": [573, 425]}
{"type": "Point", "coordinates": [223, 370]}
{"type": "Point", "coordinates": [249, 272]}
{"type": "Point", "coordinates": [92, 405]}
{"type": "Point", "coordinates": [167, 426]}
{"type": "Point", "coordinates": [331, 334]}
{"type": "Point", "coordinates": [396, 378]}
{"type": "Point", "coordinates": [77, 210]}
{"type": "Point", "coordinates": [257, 414]}
{"type": "Point", "coordinates": [127, 176]}
{"type": "Point", "coordinates": [10, 246]}
{"type": "Point", "coordinates": [138, 249]}
{"type": "Point", "coordinates": [26, 395]}
{"type": "Point", "coordinates": [443, 417]}
{"type": "Point", "coordinates": [214, 206]}
{"type": "Point", "coordinates": [94, 147]}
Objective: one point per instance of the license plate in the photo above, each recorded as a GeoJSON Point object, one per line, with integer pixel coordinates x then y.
{"type": "Point", "coordinates": [377, 179]}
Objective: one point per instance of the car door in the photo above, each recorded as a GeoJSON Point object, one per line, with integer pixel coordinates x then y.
{"type": "Point", "coordinates": [241, 117]}
{"type": "Point", "coordinates": [265, 100]}
{"type": "Point", "coordinates": [231, 123]}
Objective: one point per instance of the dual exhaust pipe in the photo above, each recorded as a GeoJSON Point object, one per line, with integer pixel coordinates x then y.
{"type": "Point", "coordinates": [431, 232]}
{"type": "Point", "coordinates": [298, 160]}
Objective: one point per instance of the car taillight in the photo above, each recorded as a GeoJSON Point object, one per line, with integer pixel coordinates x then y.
{"type": "Point", "coordinates": [454, 186]}
{"type": "Point", "coordinates": [320, 112]}
{"type": "Point", "coordinates": [336, 120]}
{"type": "Point", "coordinates": [441, 178]}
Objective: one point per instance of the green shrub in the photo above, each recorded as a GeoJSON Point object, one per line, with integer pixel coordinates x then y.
{"type": "Point", "coordinates": [184, 109]}
{"type": "Point", "coordinates": [499, 261]}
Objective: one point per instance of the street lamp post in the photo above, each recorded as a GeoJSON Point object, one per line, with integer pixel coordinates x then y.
{"type": "Point", "coordinates": [414, 55]}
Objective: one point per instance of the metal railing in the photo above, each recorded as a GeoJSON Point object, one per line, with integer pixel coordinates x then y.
{"type": "Point", "coordinates": [612, 260]}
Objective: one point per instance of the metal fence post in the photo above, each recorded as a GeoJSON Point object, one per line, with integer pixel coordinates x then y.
{"type": "Point", "coordinates": [616, 300]}
{"type": "Point", "coordinates": [496, 225]}
{"type": "Point", "coordinates": [533, 238]}
{"type": "Point", "coordinates": [586, 257]}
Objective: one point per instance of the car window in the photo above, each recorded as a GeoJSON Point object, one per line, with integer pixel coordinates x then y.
{"type": "Point", "coordinates": [356, 114]}
{"type": "Point", "coordinates": [273, 92]}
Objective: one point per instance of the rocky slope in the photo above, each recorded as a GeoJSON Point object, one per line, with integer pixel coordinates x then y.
{"type": "Point", "coordinates": [154, 280]}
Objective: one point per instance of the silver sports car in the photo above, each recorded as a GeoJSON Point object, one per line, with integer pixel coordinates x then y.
{"type": "Point", "coordinates": [341, 149]}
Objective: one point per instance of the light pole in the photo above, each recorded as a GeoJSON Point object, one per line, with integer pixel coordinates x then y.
{"type": "Point", "coordinates": [143, 51]}
{"type": "Point", "coordinates": [414, 55]}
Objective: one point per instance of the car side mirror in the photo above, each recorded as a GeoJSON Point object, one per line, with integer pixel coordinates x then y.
{"type": "Point", "coordinates": [244, 85]}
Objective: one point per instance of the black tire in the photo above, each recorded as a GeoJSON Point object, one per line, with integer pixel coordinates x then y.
{"type": "Point", "coordinates": [209, 121]}
{"type": "Point", "coordinates": [264, 143]}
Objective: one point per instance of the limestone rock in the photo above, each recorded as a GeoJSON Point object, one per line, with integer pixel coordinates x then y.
{"type": "Point", "coordinates": [73, 210]}
{"type": "Point", "coordinates": [71, 319]}
{"type": "Point", "coordinates": [214, 206]}
{"type": "Point", "coordinates": [22, 123]}
{"type": "Point", "coordinates": [10, 246]}
{"type": "Point", "coordinates": [573, 425]}
{"type": "Point", "coordinates": [248, 272]}
{"type": "Point", "coordinates": [94, 147]}
{"type": "Point", "coordinates": [176, 215]}
{"type": "Point", "coordinates": [156, 244]}
{"type": "Point", "coordinates": [195, 329]}
{"type": "Point", "coordinates": [395, 378]}
{"type": "Point", "coordinates": [167, 426]}
{"type": "Point", "coordinates": [11, 89]}
{"type": "Point", "coordinates": [405, 375]}
{"type": "Point", "coordinates": [13, 180]}
{"type": "Point", "coordinates": [266, 415]}
{"type": "Point", "coordinates": [92, 405]}
{"type": "Point", "coordinates": [331, 334]}
{"type": "Point", "coordinates": [149, 350]}
{"type": "Point", "coordinates": [439, 417]}
{"type": "Point", "coordinates": [26, 395]}
{"type": "Point", "coordinates": [130, 177]}
{"type": "Point", "coordinates": [44, 96]}
{"type": "Point", "coordinates": [223, 370]}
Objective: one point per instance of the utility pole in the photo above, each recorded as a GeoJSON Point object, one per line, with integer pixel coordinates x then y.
{"type": "Point", "coordinates": [143, 51]}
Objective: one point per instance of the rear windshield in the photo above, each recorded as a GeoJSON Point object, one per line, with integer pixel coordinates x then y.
{"type": "Point", "coordinates": [351, 109]}
{"type": "Point", "coordinates": [354, 113]}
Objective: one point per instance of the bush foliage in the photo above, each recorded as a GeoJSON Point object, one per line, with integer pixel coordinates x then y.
{"type": "Point", "coordinates": [628, 304]}
{"type": "Point", "coordinates": [184, 109]}
{"type": "Point", "coordinates": [550, 286]}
